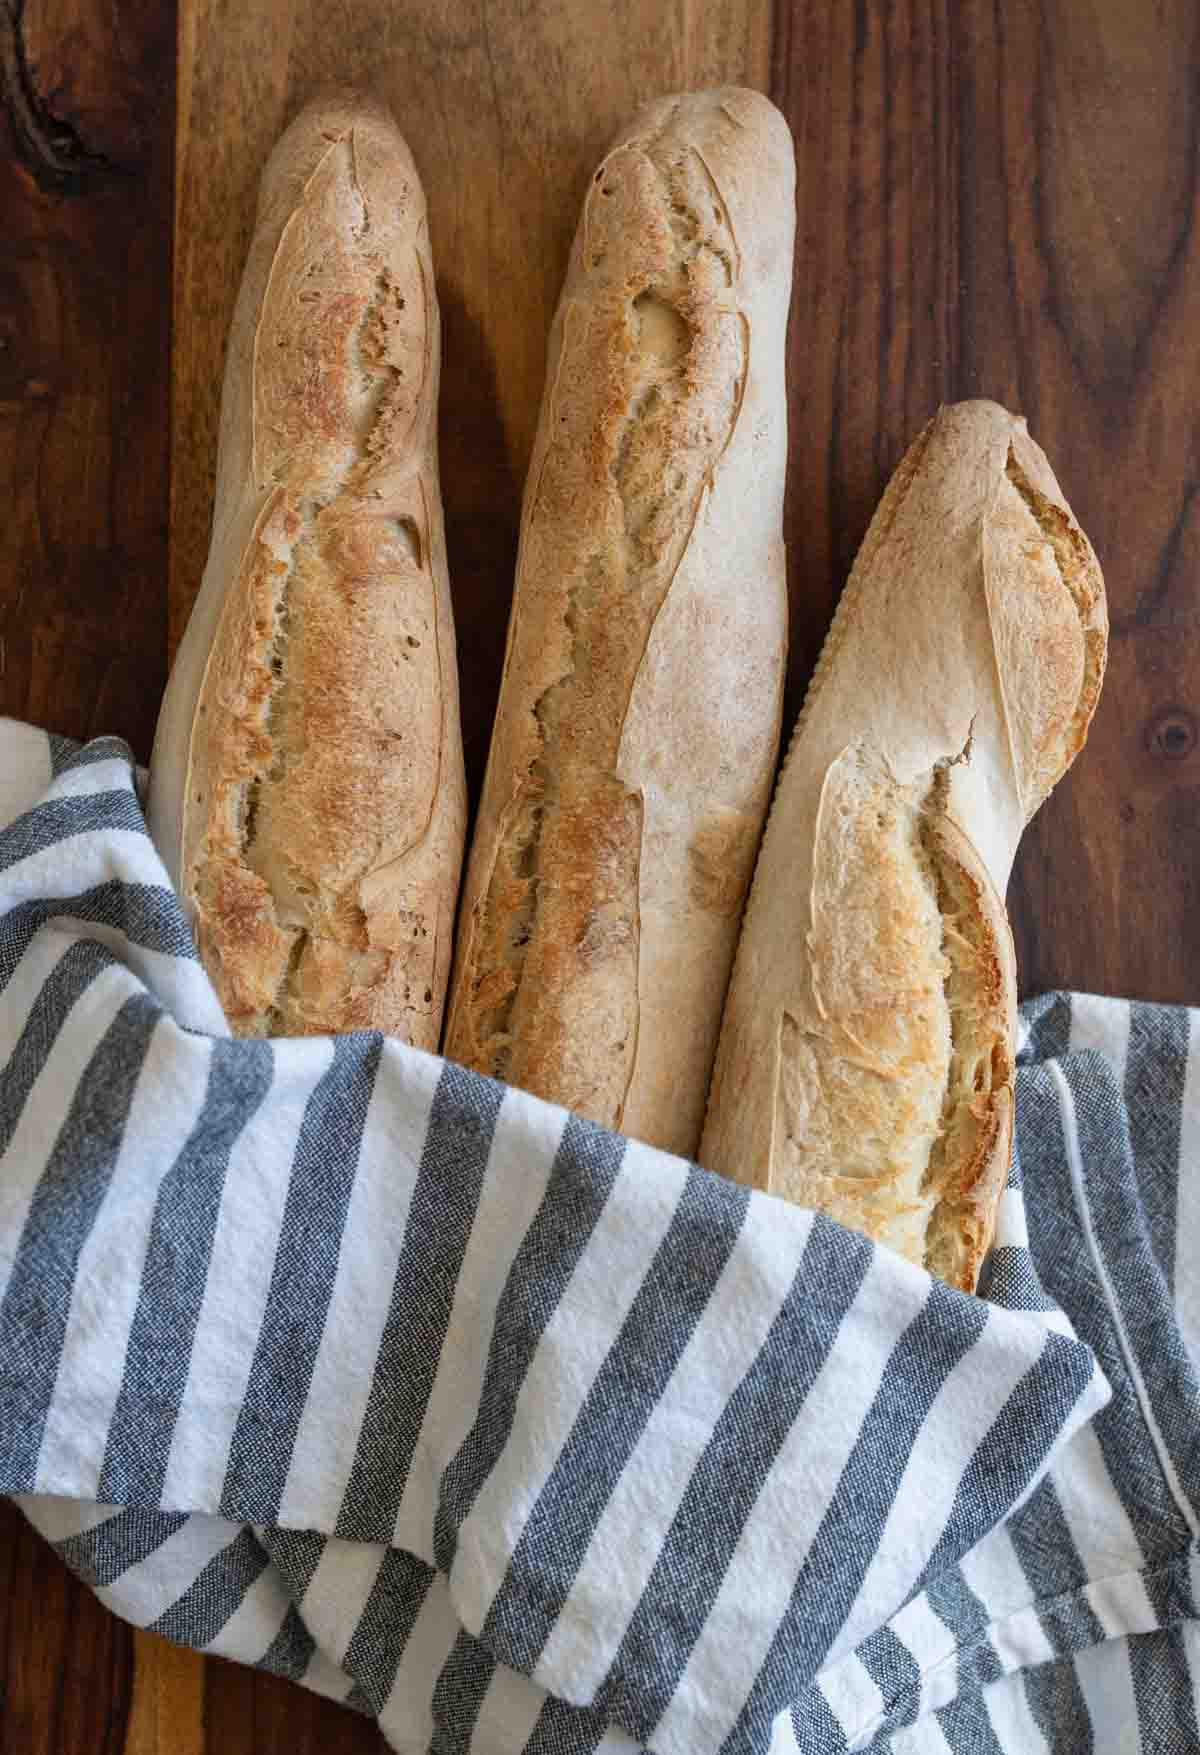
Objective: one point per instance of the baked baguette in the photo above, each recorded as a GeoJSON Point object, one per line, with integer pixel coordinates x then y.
{"type": "Point", "coordinates": [639, 711]}
{"type": "Point", "coordinates": [307, 790]}
{"type": "Point", "coordinates": [866, 1057]}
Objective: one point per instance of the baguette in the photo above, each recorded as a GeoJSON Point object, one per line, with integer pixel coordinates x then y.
{"type": "Point", "coordinates": [866, 1058]}
{"type": "Point", "coordinates": [307, 792]}
{"type": "Point", "coordinates": [639, 713]}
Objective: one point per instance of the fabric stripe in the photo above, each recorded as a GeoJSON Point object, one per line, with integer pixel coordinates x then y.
{"type": "Point", "coordinates": [290, 1652]}
{"type": "Point", "coordinates": [968, 1725]}
{"type": "Point", "coordinates": [758, 1278]}
{"type": "Point", "coordinates": [993, 1572]}
{"type": "Point", "coordinates": [1171, 1589]}
{"type": "Point", "coordinates": [508, 1715]}
{"type": "Point", "coordinates": [524, 1146]}
{"type": "Point", "coordinates": [62, 749]}
{"type": "Point", "coordinates": [1101, 1530]}
{"type": "Point", "coordinates": [377, 1644]}
{"type": "Point", "coordinates": [934, 1651]}
{"type": "Point", "coordinates": [65, 983]}
{"type": "Point", "coordinates": [459, 1695]}
{"type": "Point", "coordinates": [198, 1616]}
{"type": "Point", "coordinates": [145, 915]}
{"type": "Point", "coordinates": [580, 1334]}
{"type": "Point", "coordinates": [585, 1168]}
{"type": "Point", "coordinates": [255, 1624]}
{"type": "Point", "coordinates": [957, 1606]}
{"type": "Point", "coordinates": [166, 1106]}
{"type": "Point", "coordinates": [33, 1313]}
{"type": "Point", "coordinates": [1066, 1268]}
{"type": "Point", "coordinates": [1155, 1071]}
{"type": "Point", "coordinates": [1186, 1277]}
{"type": "Point", "coordinates": [173, 1279]}
{"type": "Point", "coordinates": [689, 1262]}
{"type": "Point", "coordinates": [36, 966]}
{"type": "Point", "coordinates": [797, 1402]}
{"type": "Point", "coordinates": [406, 1717]}
{"type": "Point", "coordinates": [783, 1736]}
{"type": "Point", "coordinates": [894, 1671]}
{"type": "Point", "coordinates": [947, 1330]}
{"type": "Point", "coordinates": [615, 1742]}
{"type": "Point", "coordinates": [817, 1729]}
{"type": "Point", "coordinates": [852, 1698]}
{"type": "Point", "coordinates": [1050, 1019]}
{"type": "Point", "coordinates": [67, 819]}
{"type": "Point", "coordinates": [1121, 1604]}
{"type": "Point", "coordinates": [1107, 1688]}
{"type": "Point", "coordinates": [1164, 1692]}
{"type": "Point", "coordinates": [1012, 1229]}
{"type": "Point", "coordinates": [1020, 1641]}
{"type": "Point", "coordinates": [242, 1218]}
{"type": "Point", "coordinates": [1141, 1316]}
{"type": "Point", "coordinates": [1020, 1429]}
{"type": "Point", "coordinates": [149, 1589]}
{"type": "Point", "coordinates": [301, 1282]}
{"type": "Point", "coordinates": [106, 774]}
{"type": "Point", "coordinates": [338, 1593]}
{"type": "Point", "coordinates": [1058, 1708]}
{"type": "Point", "coordinates": [389, 1155]}
{"type": "Point", "coordinates": [296, 1554]}
{"type": "Point", "coordinates": [442, 1211]}
{"type": "Point", "coordinates": [68, 755]}
{"type": "Point", "coordinates": [178, 982]}
{"type": "Point", "coordinates": [99, 1556]}
{"type": "Point", "coordinates": [1013, 1724]}
{"type": "Point", "coordinates": [1188, 1636]}
{"type": "Point", "coordinates": [1012, 1283]}
{"type": "Point", "coordinates": [1099, 1026]}
{"type": "Point", "coordinates": [1046, 1549]}
{"type": "Point", "coordinates": [561, 1727]}
{"type": "Point", "coordinates": [324, 1678]}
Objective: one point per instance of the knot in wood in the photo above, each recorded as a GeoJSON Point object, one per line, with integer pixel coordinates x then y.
{"type": "Point", "coordinates": [1171, 734]}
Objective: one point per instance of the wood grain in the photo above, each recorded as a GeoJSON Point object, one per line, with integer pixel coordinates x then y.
{"type": "Point", "coordinates": [85, 208]}
{"type": "Point", "coordinates": [994, 200]}
{"type": "Point", "coordinates": [166, 1715]}
{"type": "Point", "coordinates": [65, 1662]}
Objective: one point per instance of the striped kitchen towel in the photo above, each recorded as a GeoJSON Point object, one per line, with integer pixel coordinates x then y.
{"type": "Point", "coordinates": [332, 1357]}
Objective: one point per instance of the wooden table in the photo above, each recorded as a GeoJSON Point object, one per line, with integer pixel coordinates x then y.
{"type": "Point", "coordinates": [994, 199]}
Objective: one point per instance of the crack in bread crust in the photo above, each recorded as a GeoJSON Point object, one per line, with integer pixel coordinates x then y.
{"type": "Point", "coordinates": [1080, 576]}
{"type": "Point", "coordinates": [674, 336]}
{"type": "Point", "coordinates": [894, 1080]}
{"type": "Point", "coordinates": [324, 822]}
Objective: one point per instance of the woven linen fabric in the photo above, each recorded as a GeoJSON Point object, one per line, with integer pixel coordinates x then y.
{"type": "Point", "coordinates": [333, 1357]}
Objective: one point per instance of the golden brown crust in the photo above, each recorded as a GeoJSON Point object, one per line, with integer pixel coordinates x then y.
{"type": "Point", "coordinates": [866, 1055]}
{"type": "Point", "coordinates": [307, 781]}
{"type": "Point", "coordinates": [639, 711]}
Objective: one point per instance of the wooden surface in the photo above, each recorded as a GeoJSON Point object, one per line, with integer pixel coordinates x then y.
{"type": "Point", "coordinates": [994, 200]}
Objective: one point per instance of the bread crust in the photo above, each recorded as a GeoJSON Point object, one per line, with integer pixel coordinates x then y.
{"type": "Point", "coordinates": [866, 1056]}
{"type": "Point", "coordinates": [638, 722]}
{"type": "Point", "coordinates": [307, 791]}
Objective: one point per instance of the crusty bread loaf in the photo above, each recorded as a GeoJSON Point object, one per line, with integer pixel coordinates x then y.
{"type": "Point", "coordinates": [866, 1057]}
{"type": "Point", "coordinates": [307, 789]}
{"type": "Point", "coordinates": [638, 721]}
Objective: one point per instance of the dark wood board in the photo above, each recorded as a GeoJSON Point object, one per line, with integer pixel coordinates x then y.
{"type": "Point", "coordinates": [994, 199]}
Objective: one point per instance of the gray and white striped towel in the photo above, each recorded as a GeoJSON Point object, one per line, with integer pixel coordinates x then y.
{"type": "Point", "coordinates": [332, 1357]}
